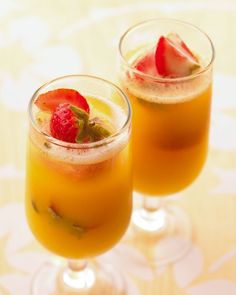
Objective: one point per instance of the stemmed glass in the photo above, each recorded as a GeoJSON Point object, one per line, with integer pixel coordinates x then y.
{"type": "Point", "coordinates": [170, 133]}
{"type": "Point", "coordinates": [79, 195]}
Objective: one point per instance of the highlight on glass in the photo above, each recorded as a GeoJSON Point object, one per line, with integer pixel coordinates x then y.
{"type": "Point", "coordinates": [166, 71]}
{"type": "Point", "coordinates": [78, 181]}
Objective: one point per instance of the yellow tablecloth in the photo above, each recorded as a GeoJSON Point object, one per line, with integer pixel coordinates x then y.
{"type": "Point", "coordinates": [40, 40]}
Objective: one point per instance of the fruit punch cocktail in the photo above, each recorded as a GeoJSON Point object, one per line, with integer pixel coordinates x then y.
{"type": "Point", "coordinates": [79, 187]}
{"type": "Point", "coordinates": [166, 71]}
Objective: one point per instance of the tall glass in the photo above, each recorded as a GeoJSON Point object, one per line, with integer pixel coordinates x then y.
{"type": "Point", "coordinates": [170, 131]}
{"type": "Point", "coordinates": [79, 196]}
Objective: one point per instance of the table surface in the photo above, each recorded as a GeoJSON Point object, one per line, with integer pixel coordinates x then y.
{"type": "Point", "coordinates": [40, 40]}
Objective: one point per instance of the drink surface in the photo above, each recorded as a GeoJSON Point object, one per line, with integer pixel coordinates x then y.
{"type": "Point", "coordinates": [170, 131]}
{"type": "Point", "coordinates": [78, 202]}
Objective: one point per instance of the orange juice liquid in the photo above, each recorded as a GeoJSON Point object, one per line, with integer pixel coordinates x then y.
{"type": "Point", "coordinates": [78, 203]}
{"type": "Point", "coordinates": [170, 134]}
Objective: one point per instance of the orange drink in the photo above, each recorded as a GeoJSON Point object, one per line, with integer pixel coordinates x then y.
{"type": "Point", "coordinates": [78, 183]}
{"type": "Point", "coordinates": [170, 135]}
{"type": "Point", "coordinates": [78, 202]}
{"type": "Point", "coordinates": [166, 71]}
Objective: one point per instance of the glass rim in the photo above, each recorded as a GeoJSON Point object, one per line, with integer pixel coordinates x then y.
{"type": "Point", "coordinates": [91, 145]}
{"type": "Point", "coordinates": [164, 79]}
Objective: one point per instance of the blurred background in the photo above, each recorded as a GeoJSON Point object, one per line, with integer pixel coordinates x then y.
{"type": "Point", "coordinates": [41, 40]}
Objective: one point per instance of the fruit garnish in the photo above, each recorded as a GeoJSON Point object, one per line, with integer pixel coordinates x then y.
{"type": "Point", "coordinates": [71, 124]}
{"type": "Point", "coordinates": [64, 113]}
{"type": "Point", "coordinates": [98, 131]}
{"type": "Point", "coordinates": [147, 64]}
{"type": "Point", "coordinates": [50, 100]}
{"type": "Point", "coordinates": [92, 132]}
{"type": "Point", "coordinates": [173, 58]}
{"type": "Point", "coordinates": [80, 113]}
{"type": "Point", "coordinates": [63, 124]}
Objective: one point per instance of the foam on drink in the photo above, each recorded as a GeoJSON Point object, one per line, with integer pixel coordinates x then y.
{"type": "Point", "coordinates": [159, 90]}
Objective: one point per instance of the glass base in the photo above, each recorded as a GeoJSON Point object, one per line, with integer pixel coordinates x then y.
{"type": "Point", "coordinates": [52, 279]}
{"type": "Point", "coordinates": [163, 235]}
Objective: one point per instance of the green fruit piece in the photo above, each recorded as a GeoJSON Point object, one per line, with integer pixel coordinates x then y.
{"type": "Point", "coordinates": [34, 206]}
{"type": "Point", "coordinates": [80, 114]}
{"type": "Point", "coordinates": [70, 225]}
{"type": "Point", "coordinates": [54, 213]}
{"type": "Point", "coordinates": [82, 131]}
{"type": "Point", "coordinates": [98, 132]}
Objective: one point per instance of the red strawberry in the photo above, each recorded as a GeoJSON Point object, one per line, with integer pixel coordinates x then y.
{"type": "Point", "coordinates": [147, 64]}
{"type": "Point", "coordinates": [63, 124]}
{"type": "Point", "coordinates": [174, 58]}
{"type": "Point", "coordinates": [50, 100]}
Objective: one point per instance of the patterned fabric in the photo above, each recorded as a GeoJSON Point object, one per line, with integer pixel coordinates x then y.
{"type": "Point", "coordinates": [40, 40]}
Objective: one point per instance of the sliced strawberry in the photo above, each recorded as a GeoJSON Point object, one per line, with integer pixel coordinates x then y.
{"type": "Point", "coordinates": [63, 124]}
{"type": "Point", "coordinates": [173, 58]}
{"type": "Point", "coordinates": [175, 38]}
{"type": "Point", "coordinates": [50, 100]}
{"type": "Point", "coordinates": [147, 64]}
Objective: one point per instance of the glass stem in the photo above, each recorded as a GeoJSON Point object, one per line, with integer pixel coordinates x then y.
{"type": "Point", "coordinates": [77, 265]}
{"type": "Point", "coordinates": [153, 211]}
{"type": "Point", "coordinates": [152, 216]}
{"type": "Point", "coordinates": [152, 204]}
{"type": "Point", "coordinates": [77, 275]}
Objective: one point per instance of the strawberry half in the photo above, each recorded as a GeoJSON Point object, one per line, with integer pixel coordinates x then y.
{"type": "Point", "coordinates": [50, 100]}
{"type": "Point", "coordinates": [147, 64]}
{"type": "Point", "coordinates": [63, 124]}
{"type": "Point", "coordinates": [173, 58]}
{"type": "Point", "coordinates": [71, 124]}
